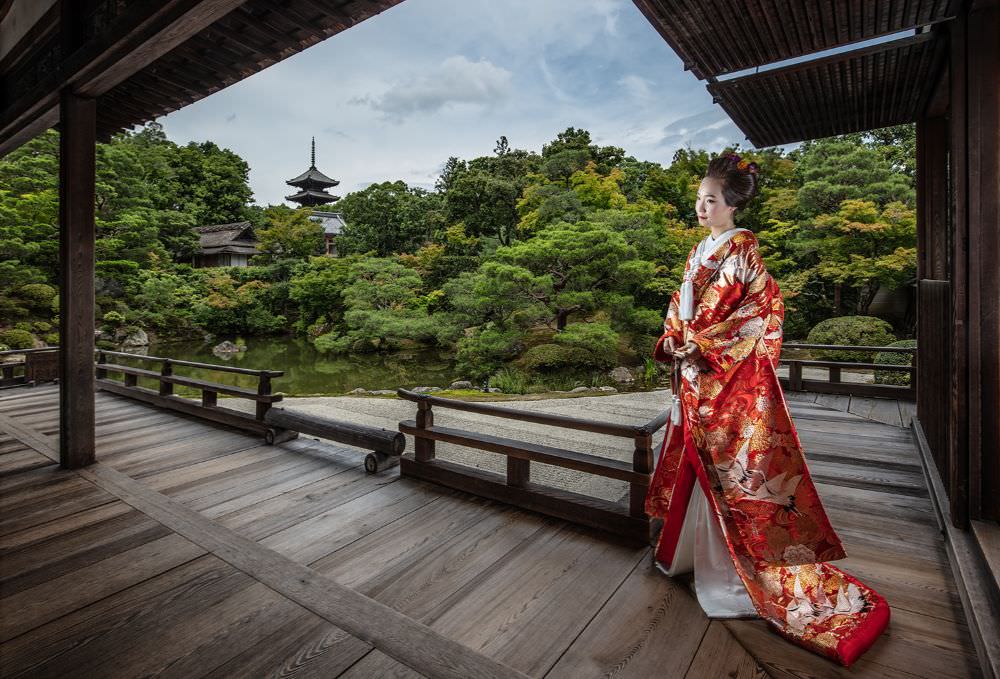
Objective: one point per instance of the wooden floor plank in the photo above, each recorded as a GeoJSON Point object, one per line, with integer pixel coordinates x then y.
{"type": "Point", "coordinates": [647, 614]}
{"type": "Point", "coordinates": [720, 655]}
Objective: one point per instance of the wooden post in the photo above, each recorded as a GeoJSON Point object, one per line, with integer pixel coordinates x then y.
{"type": "Point", "coordinates": [264, 389]}
{"type": "Point", "coordinates": [209, 399]}
{"type": "Point", "coordinates": [131, 380]}
{"type": "Point", "coordinates": [423, 449]}
{"type": "Point", "coordinates": [794, 376]}
{"type": "Point", "coordinates": [835, 375]}
{"type": "Point", "coordinates": [166, 370]}
{"type": "Point", "coordinates": [101, 359]}
{"type": "Point", "coordinates": [518, 472]}
{"type": "Point", "coordinates": [642, 461]}
{"type": "Point", "coordinates": [78, 126]}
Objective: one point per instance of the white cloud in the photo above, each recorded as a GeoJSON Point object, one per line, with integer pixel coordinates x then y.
{"type": "Point", "coordinates": [457, 80]}
{"type": "Point", "coordinates": [636, 86]}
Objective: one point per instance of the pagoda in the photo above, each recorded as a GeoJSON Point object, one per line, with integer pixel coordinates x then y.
{"type": "Point", "coordinates": [312, 185]}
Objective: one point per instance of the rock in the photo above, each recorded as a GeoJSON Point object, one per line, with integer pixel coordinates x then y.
{"type": "Point", "coordinates": [608, 390]}
{"type": "Point", "coordinates": [225, 347]}
{"type": "Point", "coordinates": [579, 390]}
{"type": "Point", "coordinates": [139, 338]}
{"type": "Point", "coordinates": [622, 375]}
{"type": "Point", "coordinates": [461, 384]}
{"type": "Point", "coordinates": [359, 390]}
{"type": "Point", "coordinates": [424, 390]}
{"type": "Point", "coordinates": [383, 392]}
{"type": "Point", "coordinates": [495, 390]}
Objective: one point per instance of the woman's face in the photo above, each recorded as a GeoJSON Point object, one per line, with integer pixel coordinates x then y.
{"type": "Point", "coordinates": [710, 206]}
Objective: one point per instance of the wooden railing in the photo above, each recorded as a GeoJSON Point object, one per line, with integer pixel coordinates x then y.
{"type": "Point", "coordinates": [834, 383]}
{"type": "Point", "coordinates": [516, 487]}
{"type": "Point", "coordinates": [39, 365]}
{"type": "Point", "coordinates": [208, 408]}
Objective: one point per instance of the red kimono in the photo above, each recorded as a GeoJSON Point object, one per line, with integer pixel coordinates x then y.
{"type": "Point", "coordinates": [737, 441]}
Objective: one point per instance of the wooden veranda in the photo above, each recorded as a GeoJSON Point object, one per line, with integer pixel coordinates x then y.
{"type": "Point", "coordinates": [94, 66]}
{"type": "Point", "coordinates": [194, 551]}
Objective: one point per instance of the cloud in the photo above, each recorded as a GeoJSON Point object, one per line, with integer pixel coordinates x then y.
{"type": "Point", "coordinates": [636, 86]}
{"type": "Point", "coordinates": [706, 129]}
{"type": "Point", "coordinates": [457, 80]}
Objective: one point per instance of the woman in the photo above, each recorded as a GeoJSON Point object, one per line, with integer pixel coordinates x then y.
{"type": "Point", "coordinates": [754, 531]}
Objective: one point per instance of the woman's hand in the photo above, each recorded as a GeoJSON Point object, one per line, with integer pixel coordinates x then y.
{"type": "Point", "coordinates": [689, 351]}
{"type": "Point", "coordinates": [670, 346]}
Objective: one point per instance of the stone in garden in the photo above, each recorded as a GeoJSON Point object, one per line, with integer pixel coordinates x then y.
{"type": "Point", "coordinates": [425, 390]}
{"type": "Point", "coordinates": [579, 390]}
{"type": "Point", "coordinates": [608, 390]}
{"type": "Point", "coordinates": [359, 390]}
{"type": "Point", "coordinates": [225, 347]}
{"type": "Point", "coordinates": [461, 384]}
{"type": "Point", "coordinates": [139, 338]}
{"type": "Point", "coordinates": [622, 375]}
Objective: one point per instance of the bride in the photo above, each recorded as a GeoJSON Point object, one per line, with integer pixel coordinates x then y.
{"type": "Point", "coordinates": [731, 483]}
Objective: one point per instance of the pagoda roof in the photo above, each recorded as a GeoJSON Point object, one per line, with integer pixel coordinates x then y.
{"type": "Point", "coordinates": [312, 197]}
{"type": "Point", "coordinates": [313, 177]}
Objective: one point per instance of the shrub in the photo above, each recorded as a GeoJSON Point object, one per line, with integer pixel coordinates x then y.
{"type": "Point", "coordinates": [333, 343]}
{"type": "Point", "coordinates": [41, 326]}
{"type": "Point", "coordinates": [596, 339]}
{"type": "Point", "coordinates": [37, 295]}
{"type": "Point", "coordinates": [23, 325]}
{"type": "Point", "coordinates": [486, 351]}
{"type": "Point", "coordinates": [114, 319]}
{"type": "Point", "coordinates": [892, 358]}
{"type": "Point", "coordinates": [52, 339]}
{"type": "Point", "coordinates": [17, 339]}
{"type": "Point", "coordinates": [865, 331]}
{"type": "Point", "coordinates": [550, 357]}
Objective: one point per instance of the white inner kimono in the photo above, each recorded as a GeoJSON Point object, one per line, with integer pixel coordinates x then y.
{"type": "Point", "coordinates": [702, 548]}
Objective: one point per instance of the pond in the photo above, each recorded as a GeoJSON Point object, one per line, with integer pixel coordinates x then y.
{"type": "Point", "coordinates": [310, 372]}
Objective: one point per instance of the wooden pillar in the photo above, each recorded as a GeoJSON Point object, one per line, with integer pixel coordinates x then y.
{"type": "Point", "coordinates": [983, 184]}
{"type": "Point", "coordinates": [973, 451]}
{"type": "Point", "coordinates": [78, 118]}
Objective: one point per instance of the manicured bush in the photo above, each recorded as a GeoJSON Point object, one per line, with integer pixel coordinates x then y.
{"type": "Point", "coordinates": [486, 351]}
{"type": "Point", "coordinates": [597, 339]}
{"type": "Point", "coordinates": [41, 326]}
{"type": "Point", "coordinates": [52, 339]}
{"type": "Point", "coordinates": [37, 295]}
{"type": "Point", "coordinates": [864, 331]}
{"type": "Point", "coordinates": [550, 357]}
{"type": "Point", "coordinates": [892, 358]}
{"type": "Point", "coordinates": [17, 339]}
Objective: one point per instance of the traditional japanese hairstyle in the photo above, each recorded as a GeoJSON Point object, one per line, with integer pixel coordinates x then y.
{"type": "Point", "coordinates": [739, 179]}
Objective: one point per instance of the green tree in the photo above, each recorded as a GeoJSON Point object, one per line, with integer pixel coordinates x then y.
{"type": "Point", "coordinates": [289, 234]}
{"type": "Point", "coordinates": [388, 218]}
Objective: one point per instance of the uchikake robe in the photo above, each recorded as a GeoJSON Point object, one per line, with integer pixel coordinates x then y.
{"type": "Point", "coordinates": [737, 442]}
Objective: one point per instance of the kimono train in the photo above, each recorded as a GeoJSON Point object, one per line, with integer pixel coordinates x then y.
{"type": "Point", "coordinates": [756, 532]}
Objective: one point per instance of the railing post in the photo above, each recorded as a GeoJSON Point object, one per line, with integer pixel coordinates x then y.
{"type": "Point", "coordinates": [8, 375]}
{"type": "Point", "coordinates": [423, 448]}
{"type": "Point", "coordinates": [131, 380]}
{"type": "Point", "coordinates": [835, 375]}
{"type": "Point", "coordinates": [166, 370]}
{"type": "Point", "coordinates": [642, 461]}
{"type": "Point", "coordinates": [794, 376]}
{"type": "Point", "coordinates": [913, 375]}
{"type": "Point", "coordinates": [518, 472]}
{"type": "Point", "coordinates": [263, 389]}
{"type": "Point", "coordinates": [101, 359]}
{"type": "Point", "coordinates": [209, 399]}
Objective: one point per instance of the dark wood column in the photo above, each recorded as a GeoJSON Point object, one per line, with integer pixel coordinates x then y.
{"type": "Point", "coordinates": [974, 448]}
{"type": "Point", "coordinates": [78, 128]}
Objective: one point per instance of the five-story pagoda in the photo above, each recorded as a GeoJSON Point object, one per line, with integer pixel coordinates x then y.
{"type": "Point", "coordinates": [312, 185]}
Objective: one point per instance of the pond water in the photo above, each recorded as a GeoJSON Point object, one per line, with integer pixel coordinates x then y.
{"type": "Point", "coordinates": [310, 372]}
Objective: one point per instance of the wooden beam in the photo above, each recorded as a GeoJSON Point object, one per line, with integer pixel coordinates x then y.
{"type": "Point", "coordinates": [76, 280]}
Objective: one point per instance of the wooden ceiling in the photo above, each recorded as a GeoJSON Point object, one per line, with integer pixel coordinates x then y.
{"type": "Point", "coordinates": [144, 58]}
{"type": "Point", "coordinates": [877, 87]}
{"type": "Point", "coordinates": [252, 37]}
{"type": "Point", "coordinates": [856, 89]}
{"type": "Point", "coordinates": [715, 37]}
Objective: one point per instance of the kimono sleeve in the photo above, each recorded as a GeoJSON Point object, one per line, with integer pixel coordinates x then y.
{"type": "Point", "coordinates": [673, 326]}
{"type": "Point", "coordinates": [730, 340]}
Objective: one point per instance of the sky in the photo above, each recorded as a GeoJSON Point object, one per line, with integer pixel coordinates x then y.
{"type": "Point", "coordinates": [395, 96]}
